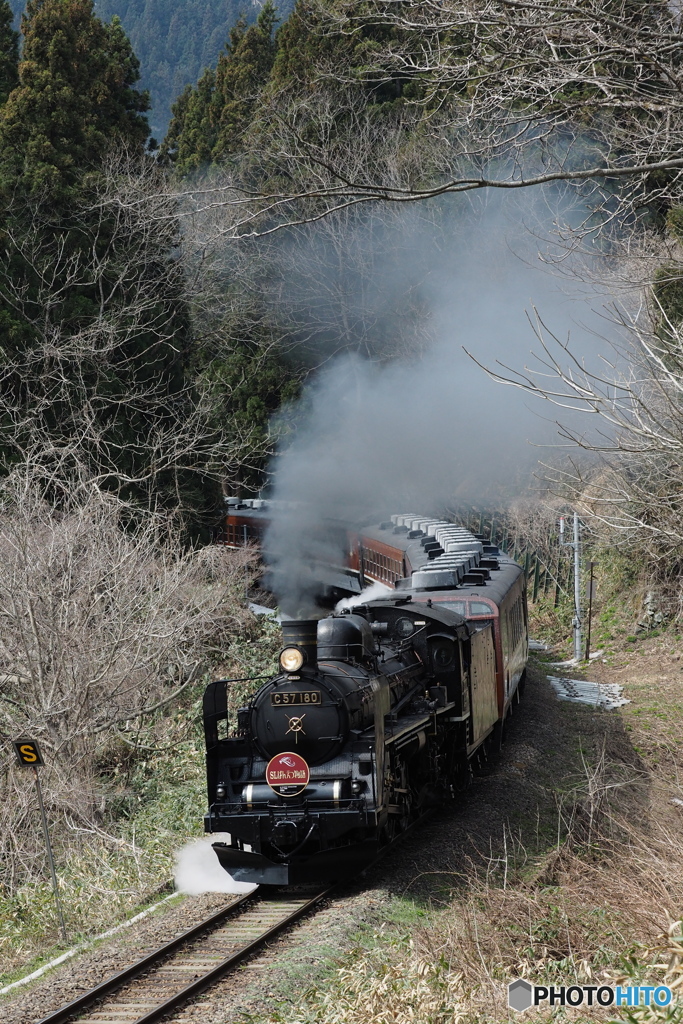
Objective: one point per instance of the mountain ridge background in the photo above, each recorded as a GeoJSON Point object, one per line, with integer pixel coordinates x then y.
{"type": "Point", "coordinates": [174, 42]}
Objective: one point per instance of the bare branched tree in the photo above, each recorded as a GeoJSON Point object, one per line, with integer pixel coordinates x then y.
{"type": "Point", "coordinates": [630, 425]}
{"type": "Point", "coordinates": [352, 281]}
{"type": "Point", "coordinates": [102, 627]}
{"type": "Point", "coordinates": [506, 94]}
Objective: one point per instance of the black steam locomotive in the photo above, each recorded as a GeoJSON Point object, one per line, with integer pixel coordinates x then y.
{"type": "Point", "coordinates": [374, 717]}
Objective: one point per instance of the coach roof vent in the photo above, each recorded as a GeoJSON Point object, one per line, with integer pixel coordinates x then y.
{"type": "Point", "coordinates": [466, 560]}
{"type": "Point", "coordinates": [464, 545]}
{"type": "Point", "coordinates": [429, 544]}
{"type": "Point", "coordinates": [478, 576]}
{"type": "Point", "coordinates": [406, 519]}
{"type": "Point", "coordinates": [433, 580]}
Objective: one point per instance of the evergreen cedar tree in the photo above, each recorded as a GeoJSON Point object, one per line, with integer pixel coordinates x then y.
{"type": "Point", "coordinates": [209, 120]}
{"type": "Point", "coordinates": [248, 379]}
{"type": "Point", "coordinates": [75, 101]}
{"type": "Point", "coordinates": [75, 97]}
{"type": "Point", "coordinates": [9, 52]}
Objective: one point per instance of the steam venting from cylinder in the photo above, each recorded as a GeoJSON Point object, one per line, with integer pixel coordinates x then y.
{"type": "Point", "coordinates": [302, 633]}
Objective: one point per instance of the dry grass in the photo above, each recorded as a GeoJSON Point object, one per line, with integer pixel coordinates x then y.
{"type": "Point", "coordinates": [601, 914]}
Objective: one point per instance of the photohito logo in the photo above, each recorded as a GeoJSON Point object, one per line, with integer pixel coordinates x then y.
{"type": "Point", "coordinates": [522, 995]}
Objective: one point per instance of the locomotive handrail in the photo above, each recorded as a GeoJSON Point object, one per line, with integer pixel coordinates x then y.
{"type": "Point", "coordinates": [244, 679]}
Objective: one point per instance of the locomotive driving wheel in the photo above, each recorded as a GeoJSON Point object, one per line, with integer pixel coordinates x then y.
{"type": "Point", "coordinates": [401, 799]}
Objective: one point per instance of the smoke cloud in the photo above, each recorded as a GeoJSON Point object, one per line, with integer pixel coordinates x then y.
{"type": "Point", "coordinates": [429, 429]}
{"type": "Point", "coordinates": [197, 870]}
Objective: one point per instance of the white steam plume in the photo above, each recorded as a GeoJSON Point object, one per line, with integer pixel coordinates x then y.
{"type": "Point", "coordinates": [375, 592]}
{"type": "Point", "coordinates": [430, 429]}
{"type": "Point", "coordinates": [198, 870]}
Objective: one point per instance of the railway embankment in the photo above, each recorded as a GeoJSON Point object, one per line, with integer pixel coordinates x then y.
{"type": "Point", "coordinates": [562, 864]}
{"type": "Point", "coordinates": [147, 781]}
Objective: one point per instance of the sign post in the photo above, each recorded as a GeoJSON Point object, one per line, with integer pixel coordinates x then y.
{"type": "Point", "coordinates": [29, 756]}
{"type": "Point", "coordinates": [576, 545]}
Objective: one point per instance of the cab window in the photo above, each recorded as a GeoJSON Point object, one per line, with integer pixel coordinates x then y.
{"type": "Point", "coordinates": [455, 606]}
{"type": "Point", "coordinates": [481, 608]}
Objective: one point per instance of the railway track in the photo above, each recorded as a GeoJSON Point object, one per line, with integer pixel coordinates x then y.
{"type": "Point", "coordinates": [172, 975]}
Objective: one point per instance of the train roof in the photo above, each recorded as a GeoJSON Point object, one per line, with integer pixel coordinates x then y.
{"type": "Point", "coordinates": [494, 589]}
{"type": "Point", "coordinates": [446, 557]}
{"type": "Point", "coordinates": [440, 555]}
{"type": "Point", "coordinates": [263, 510]}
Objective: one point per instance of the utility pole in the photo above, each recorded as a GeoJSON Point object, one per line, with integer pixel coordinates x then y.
{"type": "Point", "coordinates": [577, 590]}
{"type": "Point", "coordinates": [591, 595]}
{"type": "Point", "coordinates": [576, 545]}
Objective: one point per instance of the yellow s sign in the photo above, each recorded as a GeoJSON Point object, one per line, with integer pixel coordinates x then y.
{"type": "Point", "coordinates": [28, 753]}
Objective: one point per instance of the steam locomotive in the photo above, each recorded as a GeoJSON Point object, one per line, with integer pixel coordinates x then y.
{"type": "Point", "coordinates": [375, 715]}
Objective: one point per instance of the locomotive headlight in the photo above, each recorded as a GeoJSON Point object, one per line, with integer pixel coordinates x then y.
{"type": "Point", "coordinates": [291, 659]}
{"type": "Point", "coordinates": [220, 792]}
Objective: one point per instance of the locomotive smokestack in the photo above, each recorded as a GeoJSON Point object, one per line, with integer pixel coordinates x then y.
{"type": "Point", "coordinates": [302, 633]}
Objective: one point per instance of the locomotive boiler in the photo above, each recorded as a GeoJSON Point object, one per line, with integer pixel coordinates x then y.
{"type": "Point", "coordinates": [373, 717]}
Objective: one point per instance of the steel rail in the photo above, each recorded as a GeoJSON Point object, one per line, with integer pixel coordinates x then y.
{"type": "Point", "coordinates": [157, 956]}
{"type": "Point", "coordinates": [206, 980]}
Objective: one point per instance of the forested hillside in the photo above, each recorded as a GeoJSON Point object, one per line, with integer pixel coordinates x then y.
{"type": "Point", "coordinates": [174, 41]}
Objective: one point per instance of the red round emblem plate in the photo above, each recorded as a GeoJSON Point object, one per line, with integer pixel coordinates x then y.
{"type": "Point", "coordinates": [287, 774]}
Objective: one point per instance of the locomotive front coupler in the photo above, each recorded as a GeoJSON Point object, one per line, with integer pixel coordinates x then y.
{"type": "Point", "coordinates": [286, 833]}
